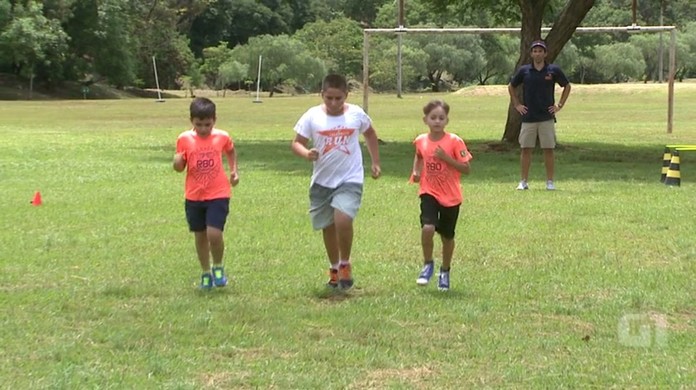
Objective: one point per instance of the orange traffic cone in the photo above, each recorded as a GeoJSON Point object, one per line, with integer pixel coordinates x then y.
{"type": "Point", "coordinates": [37, 199]}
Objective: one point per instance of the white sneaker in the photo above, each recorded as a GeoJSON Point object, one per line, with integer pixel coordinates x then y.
{"type": "Point", "coordinates": [523, 185]}
{"type": "Point", "coordinates": [549, 185]}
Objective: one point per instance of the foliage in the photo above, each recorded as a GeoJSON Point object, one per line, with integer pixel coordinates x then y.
{"type": "Point", "coordinates": [114, 41]}
{"type": "Point", "coordinates": [284, 60]}
{"type": "Point", "coordinates": [338, 43]}
{"type": "Point", "coordinates": [33, 44]}
{"type": "Point", "coordinates": [619, 62]}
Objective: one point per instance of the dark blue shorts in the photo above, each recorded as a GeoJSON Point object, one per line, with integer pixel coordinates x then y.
{"type": "Point", "coordinates": [443, 218]}
{"type": "Point", "coordinates": [204, 213]}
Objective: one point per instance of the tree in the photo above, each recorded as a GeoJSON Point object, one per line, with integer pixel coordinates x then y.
{"type": "Point", "coordinates": [30, 40]}
{"type": "Point", "coordinates": [533, 13]}
{"type": "Point", "coordinates": [461, 56]}
{"type": "Point", "coordinates": [285, 61]}
{"type": "Point", "coordinates": [619, 62]}
{"type": "Point", "coordinates": [229, 72]}
{"type": "Point", "coordinates": [337, 42]}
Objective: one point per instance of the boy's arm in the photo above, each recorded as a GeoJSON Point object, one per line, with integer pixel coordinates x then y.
{"type": "Point", "coordinates": [232, 162]}
{"type": "Point", "coordinates": [461, 166]}
{"type": "Point", "coordinates": [372, 143]}
{"type": "Point", "coordinates": [299, 147]}
{"type": "Point", "coordinates": [417, 168]}
{"type": "Point", "coordinates": [179, 163]}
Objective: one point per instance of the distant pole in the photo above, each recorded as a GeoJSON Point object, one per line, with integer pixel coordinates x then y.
{"type": "Point", "coordinates": [399, 38]}
{"type": "Point", "coordinates": [672, 74]}
{"type": "Point", "coordinates": [661, 66]}
{"type": "Point", "coordinates": [159, 94]}
{"type": "Point", "coordinates": [258, 82]}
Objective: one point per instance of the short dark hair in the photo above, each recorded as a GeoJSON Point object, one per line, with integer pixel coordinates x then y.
{"type": "Point", "coordinates": [434, 104]}
{"type": "Point", "coordinates": [202, 108]}
{"type": "Point", "coordinates": [334, 81]}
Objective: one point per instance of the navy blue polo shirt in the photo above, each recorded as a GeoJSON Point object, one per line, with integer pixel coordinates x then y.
{"type": "Point", "coordinates": [538, 89]}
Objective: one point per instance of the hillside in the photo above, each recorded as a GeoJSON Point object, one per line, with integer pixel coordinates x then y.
{"type": "Point", "coordinates": [14, 88]}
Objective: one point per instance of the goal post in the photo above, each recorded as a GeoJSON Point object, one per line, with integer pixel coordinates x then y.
{"type": "Point", "coordinates": [399, 31]}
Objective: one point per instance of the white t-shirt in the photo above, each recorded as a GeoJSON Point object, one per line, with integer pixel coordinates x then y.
{"type": "Point", "coordinates": [337, 138]}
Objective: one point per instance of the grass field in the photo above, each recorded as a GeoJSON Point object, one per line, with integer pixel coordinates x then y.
{"type": "Point", "coordinates": [590, 286]}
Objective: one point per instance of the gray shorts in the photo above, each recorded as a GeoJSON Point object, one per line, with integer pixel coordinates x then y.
{"type": "Point", "coordinates": [323, 201]}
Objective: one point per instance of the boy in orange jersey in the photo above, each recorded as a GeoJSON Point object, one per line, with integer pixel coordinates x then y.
{"type": "Point", "coordinates": [335, 193]}
{"type": "Point", "coordinates": [440, 159]}
{"type": "Point", "coordinates": [207, 189]}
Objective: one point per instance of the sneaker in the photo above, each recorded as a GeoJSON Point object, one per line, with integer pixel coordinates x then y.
{"type": "Point", "coordinates": [206, 281]}
{"type": "Point", "coordinates": [219, 278]}
{"type": "Point", "coordinates": [426, 273]}
{"type": "Point", "coordinates": [345, 276]}
{"type": "Point", "coordinates": [443, 281]}
{"type": "Point", "coordinates": [523, 185]}
{"type": "Point", "coordinates": [549, 185]}
{"type": "Point", "coordinates": [333, 278]}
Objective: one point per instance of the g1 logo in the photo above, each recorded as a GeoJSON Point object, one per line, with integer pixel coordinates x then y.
{"type": "Point", "coordinates": [643, 330]}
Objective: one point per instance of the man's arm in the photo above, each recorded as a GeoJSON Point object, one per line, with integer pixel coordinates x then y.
{"type": "Point", "coordinates": [519, 107]}
{"type": "Point", "coordinates": [564, 96]}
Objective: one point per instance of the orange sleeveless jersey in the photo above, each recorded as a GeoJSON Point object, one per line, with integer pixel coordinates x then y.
{"type": "Point", "coordinates": [206, 177]}
{"type": "Point", "coordinates": [438, 178]}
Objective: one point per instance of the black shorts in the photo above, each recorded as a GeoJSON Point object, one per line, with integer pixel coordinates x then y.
{"type": "Point", "coordinates": [444, 218]}
{"type": "Point", "coordinates": [204, 213]}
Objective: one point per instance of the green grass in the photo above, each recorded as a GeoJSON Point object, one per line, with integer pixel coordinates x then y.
{"type": "Point", "coordinates": [97, 286]}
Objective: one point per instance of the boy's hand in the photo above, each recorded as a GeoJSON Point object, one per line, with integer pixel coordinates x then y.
{"type": "Point", "coordinates": [440, 153]}
{"type": "Point", "coordinates": [179, 162]}
{"type": "Point", "coordinates": [312, 154]}
{"type": "Point", "coordinates": [234, 178]}
{"type": "Point", "coordinates": [415, 177]}
{"type": "Point", "coordinates": [376, 171]}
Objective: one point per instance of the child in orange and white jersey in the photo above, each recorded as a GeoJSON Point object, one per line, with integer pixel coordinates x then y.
{"type": "Point", "coordinates": [441, 157]}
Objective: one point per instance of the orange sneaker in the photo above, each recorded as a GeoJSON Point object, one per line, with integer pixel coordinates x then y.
{"type": "Point", "coordinates": [345, 276]}
{"type": "Point", "coordinates": [333, 278]}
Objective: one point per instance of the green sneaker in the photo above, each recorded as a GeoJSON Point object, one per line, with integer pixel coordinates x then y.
{"type": "Point", "coordinates": [219, 278]}
{"type": "Point", "coordinates": [206, 281]}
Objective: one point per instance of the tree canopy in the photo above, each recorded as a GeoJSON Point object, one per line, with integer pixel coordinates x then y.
{"type": "Point", "coordinates": [113, 41]}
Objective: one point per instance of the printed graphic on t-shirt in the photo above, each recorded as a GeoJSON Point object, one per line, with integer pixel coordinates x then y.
{"type": "Point", "coordinates": [436, 175]}
{"type": "Point", "coordinates": [203, 163]}
{"type": "Point", "coordinates": [336, 139]}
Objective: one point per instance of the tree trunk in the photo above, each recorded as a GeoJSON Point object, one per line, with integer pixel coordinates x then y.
{"type": "Point", "coordinates": [563, 29]}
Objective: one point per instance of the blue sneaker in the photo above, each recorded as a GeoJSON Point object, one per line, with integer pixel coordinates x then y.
{"type": "Point", "coordinates": [426, 273]}
{"type": "Point", "coordinates": [206, 281]}
{"type": "Point", "coordinates": [443, 281]}
{"type": "Point", "coordinates": [219, 278]}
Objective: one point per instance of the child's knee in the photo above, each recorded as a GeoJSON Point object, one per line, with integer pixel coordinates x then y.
{"type": "Point", "coordinates": [429, 229]}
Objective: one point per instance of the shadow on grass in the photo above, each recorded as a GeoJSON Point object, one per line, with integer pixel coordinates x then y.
{"type": "Point", "coordinates": [450, 294]}
{"type": "Point", "coordinates": [492, 161]}
{"type": "Point", "coordinates": [334, 295]}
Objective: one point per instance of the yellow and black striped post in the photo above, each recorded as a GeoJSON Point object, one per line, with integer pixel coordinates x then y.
{"type": "Point", "coordinates": [673, 176]}
{"type": "Point", "coordinates": [666, 159]}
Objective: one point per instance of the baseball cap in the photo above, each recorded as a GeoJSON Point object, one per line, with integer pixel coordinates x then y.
{"type": "Point", "coordinates": [539, 44]}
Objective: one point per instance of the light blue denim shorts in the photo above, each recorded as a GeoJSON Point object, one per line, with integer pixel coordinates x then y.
{"type": "Point", "coordinates": [323, 201]}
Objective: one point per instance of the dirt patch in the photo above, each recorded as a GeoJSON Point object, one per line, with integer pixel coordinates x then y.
{"type": "Point", "coordinates": [380, 379]}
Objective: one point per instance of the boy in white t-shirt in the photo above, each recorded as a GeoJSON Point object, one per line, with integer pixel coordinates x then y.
{"type": "Point", "coordinates": [336, 187]}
